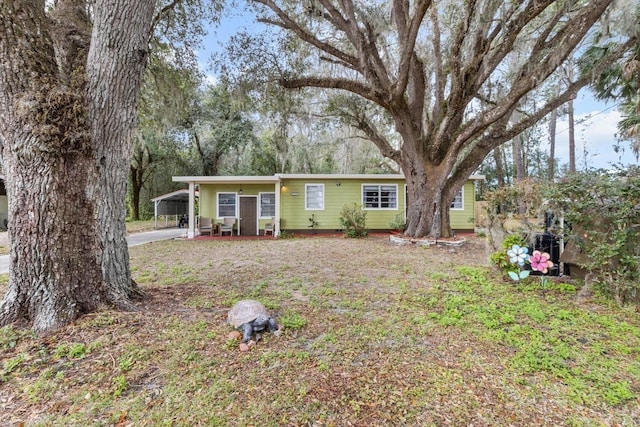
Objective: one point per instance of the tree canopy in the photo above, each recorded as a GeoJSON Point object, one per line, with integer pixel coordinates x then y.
{"type": "Point", "coordinates": [450, 78]}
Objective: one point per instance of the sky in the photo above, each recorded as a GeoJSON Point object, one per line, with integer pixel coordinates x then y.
{"type": "Point", "coordinates": [595, 134]}
{"type": "Point", "coordinates": [595, 121]}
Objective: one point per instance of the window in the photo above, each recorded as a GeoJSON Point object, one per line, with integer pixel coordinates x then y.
{"type": "Point", "coordinates": [267, 205]}
{"type": "Point", "coordinates": [226, 205]}
{"type": "Point", "coordinates": [380, 196]}
{"type": "Point", "coordinates": [314, 196]}
{"type": "Point", "coordinates": [458, 201]}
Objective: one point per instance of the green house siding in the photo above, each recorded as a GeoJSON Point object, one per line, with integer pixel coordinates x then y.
{"type": "Point", "coordinates": [461, 219]}
{"type": "Point", "coordinates": [295, 216]}
{"type": "Point", "coordinates": [209, 200]}
{"type": "Point", "coordinates": [337, 193]}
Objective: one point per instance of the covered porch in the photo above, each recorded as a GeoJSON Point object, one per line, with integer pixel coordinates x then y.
{"type": "Point", "coordinates": [252, 201]}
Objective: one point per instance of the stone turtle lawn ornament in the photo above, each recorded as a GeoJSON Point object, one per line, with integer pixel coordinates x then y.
{"type": "Point", "coordinates": [250, 316]}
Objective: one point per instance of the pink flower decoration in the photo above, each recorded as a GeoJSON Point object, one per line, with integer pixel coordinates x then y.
{"type": "Point", "coordinates": [540, 261]}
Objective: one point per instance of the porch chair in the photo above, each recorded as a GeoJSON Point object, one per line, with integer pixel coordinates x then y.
{"type": "Point", "coordinates": [227, 226]}
{"type": "Point", "coordinates": [205, 226]}
{"type": "Point", "coordinates": [268, 227]}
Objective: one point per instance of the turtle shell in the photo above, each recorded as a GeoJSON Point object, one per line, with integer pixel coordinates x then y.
{"type": "Point", "coordinates": [245, 311]}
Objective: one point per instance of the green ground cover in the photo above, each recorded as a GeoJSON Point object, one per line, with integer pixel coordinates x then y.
{"type": "Point", "coordinates": [373, 335]}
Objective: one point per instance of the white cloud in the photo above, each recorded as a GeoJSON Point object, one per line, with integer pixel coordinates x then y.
{"type": "Point", "coordinates": [596, 138]}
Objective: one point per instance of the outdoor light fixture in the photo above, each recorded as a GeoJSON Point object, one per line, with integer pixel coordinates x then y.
{"type": "Point", "coordinates": [240, 192]}
{"type": "Point", "coordinates": [338, 184]}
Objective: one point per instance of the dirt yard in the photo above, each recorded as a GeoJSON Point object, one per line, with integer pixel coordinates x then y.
{"type": "Point", "coordinates": [372, 335]}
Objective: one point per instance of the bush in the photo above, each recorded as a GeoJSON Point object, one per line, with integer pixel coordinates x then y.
{"type": "Point", "coordinates": [603, 210]}
{"type": "Point", "coordinates": [398, 222]}
{"type": "Point", "coordinates": [500, 258]}
{"type": "Point", "coordinates": [353, 220]}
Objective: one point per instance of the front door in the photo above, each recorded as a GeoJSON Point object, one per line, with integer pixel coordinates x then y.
{"type": "Point", "coordinates": [248, 225]}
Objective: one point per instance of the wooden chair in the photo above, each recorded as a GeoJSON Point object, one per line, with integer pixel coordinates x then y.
{"type": "Point", "coordinates": [268, 227]}
{"type": "Point", "coordinates": [227, 226]}
{"type": "Point", "coordinates": [205, 226]}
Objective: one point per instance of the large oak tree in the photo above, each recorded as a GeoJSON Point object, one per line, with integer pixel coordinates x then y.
{"type": "Point", "coordinates": [443, 73]}
{"type": "Point", "coordinates": [70, 73]}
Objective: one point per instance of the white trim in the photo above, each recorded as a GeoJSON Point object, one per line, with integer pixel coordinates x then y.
{"type": "Point", "coordinates": [191, 232]}
{"type": "Point", "coordinates": [323, 176]}
{"type": "Point", "coordinates": [461, 192]}
{"type": "Point", "coordinates": [278, 177]}
{"type": "Point", "coordinates": [362, 201]}
{"type": "Point", "coordinates": [227, 179]}
{"type": "Point", "coordinates": [218, 216]}
{"type": "Point", "coordinates": [306, 186]}
{"type": "Point", "coordinates": [260, 216]}
{"type": "Point", "coordinates": [276, 231]}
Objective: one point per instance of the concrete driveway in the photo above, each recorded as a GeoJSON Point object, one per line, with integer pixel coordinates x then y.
{"type": "Point", "coordinates": [133, 240]}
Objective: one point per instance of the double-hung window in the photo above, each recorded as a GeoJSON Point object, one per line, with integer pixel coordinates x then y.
{"type": "Point", "coordinates": [380, 196]}
{"type": "Point", "coordinates": [314, 197]}
{"type": "Point", "coordinates": [458, 201]}
{"type": "Point", "coordinates": [226, 205]}
{"type": "Point", "coordinates": [267, 205]}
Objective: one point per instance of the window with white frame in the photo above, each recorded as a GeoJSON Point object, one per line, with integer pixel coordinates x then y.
{"type": "Point", "coordinates": [314, 196]}
{"type": "Point", "coordinates": [226, 205]}
{"type": "Point", "coordinates": [267, 205]}
{"type": "Point", "coordinates": [380, 196]}
{"type": "Point", "coordinates": [458, 201]}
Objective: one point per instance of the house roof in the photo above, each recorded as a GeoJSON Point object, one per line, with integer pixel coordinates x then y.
{"type": "Point", "coordinates": [279, 177]}
{"type": "Point", "coordinates": [228, 179]}
{"type": "Point", "coordinates": [180, 195]}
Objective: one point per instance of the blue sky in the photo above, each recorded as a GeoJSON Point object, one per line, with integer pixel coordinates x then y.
{"type": "Point", "coordinates": [596, 121]}
{"type": "Point", "coordinates": [595, 134]}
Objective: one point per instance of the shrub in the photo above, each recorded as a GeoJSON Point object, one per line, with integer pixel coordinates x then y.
{"type": "Point", "coordinates": [603, 210]}
{"type": "Point", "coordinates": [500, 258]}
{"type": "Point", "coordinates": [398, 222]}
{"type": "Point", "coordinates": [353, 220]}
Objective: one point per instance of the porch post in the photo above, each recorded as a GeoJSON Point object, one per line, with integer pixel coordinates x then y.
{"type": "Point", "coordinates": [192, 210]}
{"type": "Point", "coordinates": [276, 229]}
{"type": "Point", "coordinates": [155, 215]}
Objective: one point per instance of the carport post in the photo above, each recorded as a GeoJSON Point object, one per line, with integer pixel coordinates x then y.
{"type": "Point", "coordinates": [192, 210]}
{"type": "Point", "coordinates": [155, 214]}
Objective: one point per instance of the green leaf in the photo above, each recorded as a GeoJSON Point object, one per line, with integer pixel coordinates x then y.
{"type": "Point", "coordinates": [514, 276]}
{"type": "Point", "coordinates": [524, 274]}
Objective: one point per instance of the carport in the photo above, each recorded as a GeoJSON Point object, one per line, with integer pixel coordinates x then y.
{"type": "Point", "coordinates": [173, 204]}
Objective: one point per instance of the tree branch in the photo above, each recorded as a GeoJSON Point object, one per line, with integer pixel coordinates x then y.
{"type": "Point", "coordinates": [407, 38]}
{"type": "Point", "coordinates": [285, 22]}
{"type": "Point", "coordinates": [352, 86]}
{"type": "Point", "coordinates": [156, 19]}
{"type": "Point", "coordinates": [534, 71]}
{"type": "Point", "coordinates": [500, 134]}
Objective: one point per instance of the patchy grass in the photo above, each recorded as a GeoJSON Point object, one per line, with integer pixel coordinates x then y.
{"type": "Point", "coordinates": [373, 335]}
{"type": "Point", "coordinates": [147, 225]}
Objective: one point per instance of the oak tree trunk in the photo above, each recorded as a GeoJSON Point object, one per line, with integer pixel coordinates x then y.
{"type": "Point", "coordinates": [68, 96]}
{"type": "Point", "coordinates": [429, 195]}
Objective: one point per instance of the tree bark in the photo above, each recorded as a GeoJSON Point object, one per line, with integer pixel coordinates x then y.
{"type": "Point", "coordinates": [115, 66]}
{"type": "Point", "coordinates": [553, 118]}
{"type": "Point", "coordinates": [435, 86]}
{"type": "Point", "coordinates": [572, 138]}
{"type": "Point", "coordinates": [136, 188]}
{"type": "Point", "coordinates": [572, 127]}
{"type": "Point", "coordinates": [68, 99]}
{"type": "Point", "coordinates": [140, 169]}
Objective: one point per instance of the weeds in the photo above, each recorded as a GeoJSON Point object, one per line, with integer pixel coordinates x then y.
{"type": "Point", "coordinates": [417, 344]}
